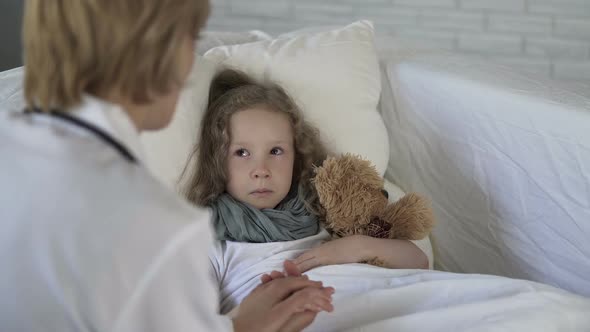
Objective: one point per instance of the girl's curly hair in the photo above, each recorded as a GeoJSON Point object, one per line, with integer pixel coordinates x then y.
{"type": "Point", "coordinates": [233, 91]}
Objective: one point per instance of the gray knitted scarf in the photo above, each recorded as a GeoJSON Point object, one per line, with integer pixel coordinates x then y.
{"type": "Point", "coordinates": [240, 222]}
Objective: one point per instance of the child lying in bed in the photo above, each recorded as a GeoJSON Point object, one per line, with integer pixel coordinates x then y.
{"type": "Point", "coordinates": [254, 164]}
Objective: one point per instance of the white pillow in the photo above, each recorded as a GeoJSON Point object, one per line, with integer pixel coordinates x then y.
{"type": "Point", "coordinates": [210, 39]}
{"type": "Point", "coordinates": [333, 76]}
{"type": "Point", "coordinates": [167, 150]}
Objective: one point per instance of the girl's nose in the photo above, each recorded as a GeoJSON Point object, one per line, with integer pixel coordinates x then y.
{"type": "Point", "coordinates": [261, 173]}
{"type": "Point", "coordinates": [261, 170]}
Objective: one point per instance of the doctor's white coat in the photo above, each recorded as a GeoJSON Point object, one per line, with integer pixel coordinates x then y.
{"type": "Point", "coordinates": [92, 242]}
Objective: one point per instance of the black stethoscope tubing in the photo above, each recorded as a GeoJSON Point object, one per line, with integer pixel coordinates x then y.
{"type": "Point", "coordinates": [101, 134]}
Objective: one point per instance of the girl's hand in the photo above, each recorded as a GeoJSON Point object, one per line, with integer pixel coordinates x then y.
{"type": "Point", "coordinates": [290, 270]}
{"type": "Point", "coordinates": [349, 249]}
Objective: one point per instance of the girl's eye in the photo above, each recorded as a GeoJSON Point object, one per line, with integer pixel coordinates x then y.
{"type": "Point", "coordinates": [242, 153]}
{"type": "Point", "coordinates": [276, 151]}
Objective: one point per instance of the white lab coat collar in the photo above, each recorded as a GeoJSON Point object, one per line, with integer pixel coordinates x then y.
{"type": "Point", "coordinates": [112, 119]}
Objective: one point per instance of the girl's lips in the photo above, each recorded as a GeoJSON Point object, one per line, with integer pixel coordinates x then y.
{"type": "Point", "coordinates": [261, 192]}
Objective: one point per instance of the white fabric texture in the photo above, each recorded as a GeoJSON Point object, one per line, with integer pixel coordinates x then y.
{"type": "Point", "coordinates": [168, 150]}
{"type": "Point", "coordinates": [209, 39]}
{"type": "Point", "coordinates": [333, 75]}
{"type": "Point", "coordinates": [11, 90]}
{"type": "Point", "coordinates": [506, 161]}
{"type": "Point", "coordinates": [375, 299]}
{"type": "Point", "coordinates": [92, 242]}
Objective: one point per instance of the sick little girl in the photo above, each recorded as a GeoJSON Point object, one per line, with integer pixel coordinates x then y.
{"type": "Point", "coordinates": [254, 166]}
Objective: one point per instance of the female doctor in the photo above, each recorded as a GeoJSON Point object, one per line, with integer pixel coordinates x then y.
{"type": "Point", "coordinates": [89, 240]}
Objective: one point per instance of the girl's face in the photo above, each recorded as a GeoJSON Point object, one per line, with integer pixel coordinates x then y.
{"type": "Point", "coordinates": [260, 157]}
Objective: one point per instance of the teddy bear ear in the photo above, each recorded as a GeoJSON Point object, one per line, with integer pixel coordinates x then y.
{"type": "Point", "coordinates": [325, 176]}
{"type": "Point", "coordinates": [326, 164]}
{"type": "Point", "coordinates": [330, 174]}
{"type": "Point", "coordinates": [361, 170]}
{"type": "Point", "coordinates": [411, 217]}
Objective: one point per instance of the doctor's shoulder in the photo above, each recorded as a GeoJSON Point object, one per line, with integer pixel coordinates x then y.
{"type": "Point", "coordinates": [152, 200]}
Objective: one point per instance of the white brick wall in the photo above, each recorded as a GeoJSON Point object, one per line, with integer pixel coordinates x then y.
{"type": "Point", "coordinates": [545, 37]}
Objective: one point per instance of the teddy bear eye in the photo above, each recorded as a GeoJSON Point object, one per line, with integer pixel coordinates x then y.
{"type": "Point", "coordinates": [385, 193]}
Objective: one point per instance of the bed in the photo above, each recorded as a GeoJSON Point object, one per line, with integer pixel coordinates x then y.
{"type": "Point", "coordinates": [504, 158]}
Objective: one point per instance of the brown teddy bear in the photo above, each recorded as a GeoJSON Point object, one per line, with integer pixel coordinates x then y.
{"type": "Point", "coordinates": [353, 200]}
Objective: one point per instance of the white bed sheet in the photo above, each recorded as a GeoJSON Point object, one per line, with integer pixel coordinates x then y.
{"type": "Point", "coordinates": [506, 161]}
{"type": "Point", "coordinates": [368, 298]}
{"type": "Point", "coordinates": [11, 91]}
{"type": "Point", "coordinates": [373, 299]}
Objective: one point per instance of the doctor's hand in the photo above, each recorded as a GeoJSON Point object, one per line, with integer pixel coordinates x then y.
{"type": "Point", "coordinates": [300, 320]}
{"type": "Point", "coordinates": [283, 304]}
{"type": "Point", "coordinates": [345, 250]}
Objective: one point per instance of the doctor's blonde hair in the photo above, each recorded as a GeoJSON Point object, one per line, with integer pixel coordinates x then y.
{"type": "Point", "coordinates": [232, 91]}
{"type": "Point", "coordinates": [72, 47]}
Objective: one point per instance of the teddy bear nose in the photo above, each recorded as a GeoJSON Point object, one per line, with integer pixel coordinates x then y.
{"type": "Point", "coordinates": [385, 193]}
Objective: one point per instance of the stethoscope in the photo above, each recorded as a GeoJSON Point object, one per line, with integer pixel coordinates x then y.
{"type": "Point", "coordinates": [101, 134]}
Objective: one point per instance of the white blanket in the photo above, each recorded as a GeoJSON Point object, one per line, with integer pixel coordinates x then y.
{"type": "Point", "coordinates": [375, 299]}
